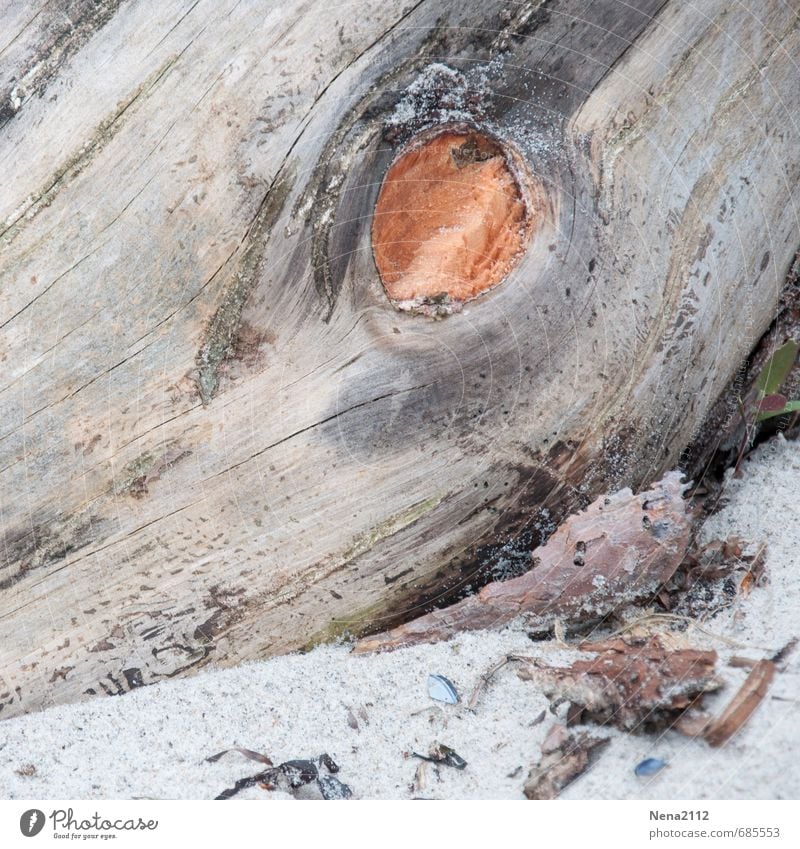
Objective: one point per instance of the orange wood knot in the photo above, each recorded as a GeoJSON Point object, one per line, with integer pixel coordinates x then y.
{"type": "Point", "coordinates": [453, 217]}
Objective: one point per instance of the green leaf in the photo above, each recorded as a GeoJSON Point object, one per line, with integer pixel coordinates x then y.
{"type": "Point", "coordinates": [790, 407]}
{"type": "Point", "coordinates": [777, 368]}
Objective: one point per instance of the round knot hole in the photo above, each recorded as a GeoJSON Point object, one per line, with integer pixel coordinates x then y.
{"type": "Point", "coordinates": [453, 217]}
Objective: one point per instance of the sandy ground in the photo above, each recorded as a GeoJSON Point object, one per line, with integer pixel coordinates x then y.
{"type": "Point", "coordinates": [152, 743]}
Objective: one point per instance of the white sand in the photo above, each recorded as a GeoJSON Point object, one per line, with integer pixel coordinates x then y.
{"type": "Point", "coordinates": [151, 743]}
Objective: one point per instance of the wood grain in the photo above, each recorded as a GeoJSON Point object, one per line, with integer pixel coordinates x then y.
{"type": "Point", "coordinates": [219, 440]}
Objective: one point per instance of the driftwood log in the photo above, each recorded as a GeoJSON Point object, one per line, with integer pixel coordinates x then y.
{"type": "Point", "coordinates": [220, 440]}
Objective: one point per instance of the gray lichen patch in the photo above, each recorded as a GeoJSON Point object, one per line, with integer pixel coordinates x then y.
{"type": "Point", "coordinates": [220, 337]}
{"type": "Point", "coordinates": [391, 526]}
{"type": "Point", "coordinates": [147, 468]}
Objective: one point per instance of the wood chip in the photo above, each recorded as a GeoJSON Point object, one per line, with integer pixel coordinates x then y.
{"type": "Point", "coordinates": [622, 548]}
{"type": "Point", "coordinates": [741, 662]}
{"type": "Point", "coordinates": [565, 756]}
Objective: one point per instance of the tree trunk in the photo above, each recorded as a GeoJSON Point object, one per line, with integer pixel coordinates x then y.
{"type": "Point", "coordinates": [220, 439]}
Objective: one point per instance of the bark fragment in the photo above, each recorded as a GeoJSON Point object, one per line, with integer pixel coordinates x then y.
{"type": "Point", "coordinates": [623, 547]}
{"type": "Point", "coordinates": [633, 684]}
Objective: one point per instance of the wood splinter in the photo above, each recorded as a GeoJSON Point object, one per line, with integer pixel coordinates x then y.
{"type": "Point", "coordinates": [748, 698]}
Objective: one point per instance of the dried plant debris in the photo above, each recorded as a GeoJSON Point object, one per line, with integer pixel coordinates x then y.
{"type": "Point", "coordinates": [332, 789]}
{"type": "Point", "coordinates": [295, 776]}
{"type": "Point", "coordinates": [565, 756]}
{"type": "Point", "coordinates": [635, 684]}
{"type": "Point", "coordinates": [420, 782]}
{"type": "Point", "coordinates": [715, 559]}
{"type": "Point", "coordinates": [692, 724]}
{"type": "Point", "coordinates": [26, 771]}
{"type": "Point", "coordinates": [247, 753]}
{"type": "Point", "coordinates": [712, 576]}
{"type": "Point", "coordinates": [484, 680]}
{"type": "Point", "coordinates": [743, 704]}
{"type": "Point", "coordinates": [353, 717]}
{"type": "Point", "coordinates": [243, 784]}
{"type": "Point", "coordinates": [441, 754]}
{"type": "Point", "coordinates": [622, 548]}
{"type": "Point", "coordinates": [738, 662]}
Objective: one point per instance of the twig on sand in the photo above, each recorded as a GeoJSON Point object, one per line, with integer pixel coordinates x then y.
{"type": "Point", "coordinates": [674, 617]}
{"type": "Point", "coordinates": [487, 676]}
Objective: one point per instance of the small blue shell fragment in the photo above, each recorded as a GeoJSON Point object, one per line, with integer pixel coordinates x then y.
{"type": "Point", "coordinates": [649, 767]}
{"type": "Point", "coordinates": [441, 689]}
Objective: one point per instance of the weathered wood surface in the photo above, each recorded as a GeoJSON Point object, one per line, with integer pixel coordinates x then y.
{"type": "Point", "coordinates": [219, 440]}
